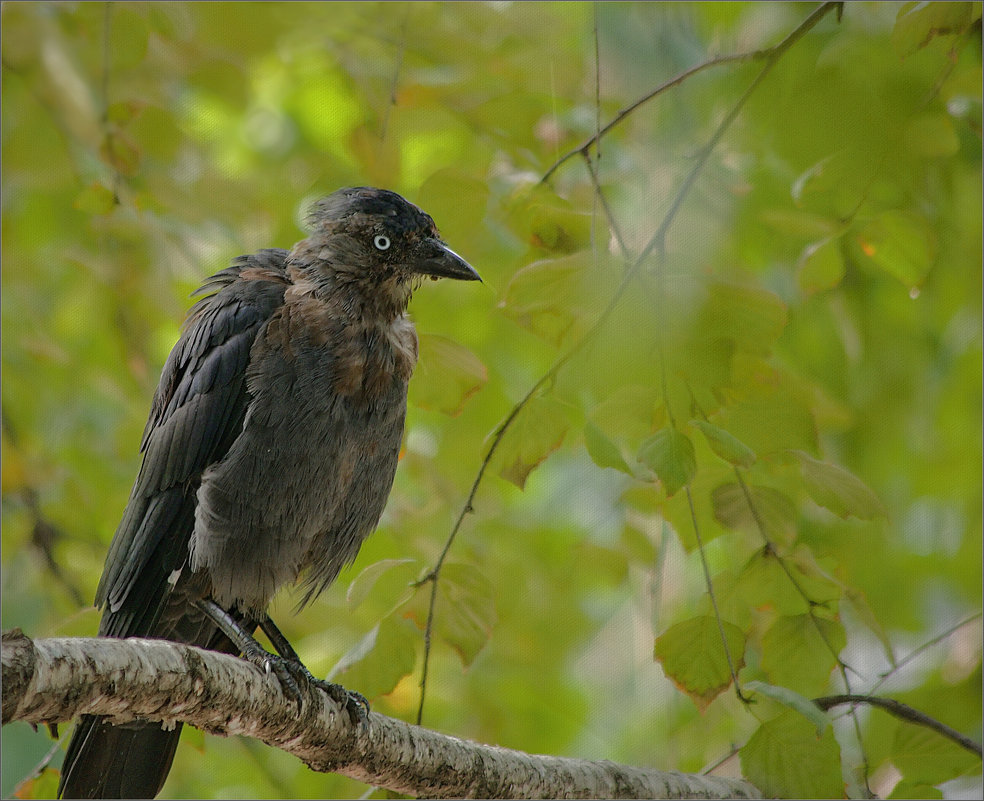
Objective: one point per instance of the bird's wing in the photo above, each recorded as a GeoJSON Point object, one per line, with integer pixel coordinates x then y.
{"type": "Point", "coordinates": [197, 413]}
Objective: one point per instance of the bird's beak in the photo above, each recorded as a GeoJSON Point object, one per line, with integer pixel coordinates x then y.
{"type": "Point", "coordinates": [437, 260]}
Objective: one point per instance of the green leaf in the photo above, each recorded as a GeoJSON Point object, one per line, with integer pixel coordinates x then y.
{"type": "Point", "coordinates": [378, 662]}
{"type": "Point", "coordinates": [43, 786]}
{"type": "Point", "coordinates": [908, 790]}
{"type": "Point", "coordinates": [923, 756]}
{"type": "Point", "coordinates": [838, 490]}
{"type": "Point", "coordinates": [918, 23]}
{"type": "Point", "coordinates": [670, 455]}
{"type": "Point", "coordinates": [554, 224]}
{"type": "Point", "coordinates": [901, 244]}
{"type": "Point", "coordinates": [794, 701]}
{"type": "Point", "coordinates": [751, 317]}
{"type": "Point", "coordinates": [772, 509]}
{"type": "Point", "coordinates": [120, 153]}
{"type": "Point", "coordinates": [466, 609]}
{"type": "Point", "coordinates": [364, 583]}
{"type": "Point", "coordinates": [458, 199]}
{"type": "Point", "coordinates": [447, 375]}
{"type": "Point", "coordinates": [821, 266]}
{"type": "Point", "coordinates": [932, 136]}
{"type": "Point", "coordinates": [537, 432]}
{"type": "Point", "coordinates": [771, 417]}
{"type": "Point", "coordinates": [95, 199]}
{"type": "Point", "coordinates": [124, 112]}
{"type": "Point", "coordinates": [862, 609]}
{"type": "Point", "coordinates": [630, 413]}
{"type": "Point", "coordinates": [785, 758]}
{"type": "Point", "coordinates": [554, 298]}
{"type": "Point", "coordinates": [764, 584]}
{"type": "Point", "coordinates": [725, 444]}
{"type": "Point", "coordinates": [800, 651]}
{"type": "Point", "coordinates": [799, 223]}
{"type": "Point", "coordinates": [693, 657]}
{"type": "Point", "coordinates": [603, 451]}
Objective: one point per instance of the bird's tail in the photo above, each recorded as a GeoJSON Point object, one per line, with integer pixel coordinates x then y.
{"type": "Point", "coordinates": [132, 760]}
{"type": "Point", "coordinates": [127, 761]}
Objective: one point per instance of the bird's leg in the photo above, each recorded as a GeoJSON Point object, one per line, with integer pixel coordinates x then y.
{"type": "Point", "coordinates": [355, 703]}
{"type": "Point", "coordinates": [252, 651]}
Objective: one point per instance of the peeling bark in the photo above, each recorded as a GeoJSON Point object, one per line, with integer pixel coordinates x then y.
{"type": "Point", "coordinates": [55, 680]}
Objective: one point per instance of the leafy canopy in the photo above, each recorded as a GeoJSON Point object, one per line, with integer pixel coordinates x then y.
{"type": "Point", "coordinates": [780, 401]}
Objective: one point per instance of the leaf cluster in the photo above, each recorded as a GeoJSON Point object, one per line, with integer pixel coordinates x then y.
{"type": "Point", "coordinates": [753, 455]}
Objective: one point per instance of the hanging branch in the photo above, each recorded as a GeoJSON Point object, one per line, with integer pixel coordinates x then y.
{"type": "Point", "coordinates": [901, 663]}
{"type": "Point", "coordinates": [656, 242]}
{"type": "Point", "coordinates": [902, 712]}
{"type": "Point", "coordinates": [768, 54]}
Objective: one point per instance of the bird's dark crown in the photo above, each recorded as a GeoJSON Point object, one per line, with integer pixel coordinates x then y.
{"type": "Point", "coordinates": [364, 206]}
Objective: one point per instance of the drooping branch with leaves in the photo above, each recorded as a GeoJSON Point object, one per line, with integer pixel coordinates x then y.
{"type": "Point", "coordinates": [679, 490]}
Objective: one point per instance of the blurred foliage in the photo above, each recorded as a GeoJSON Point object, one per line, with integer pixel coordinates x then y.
{"type": "Point", "coordinates": [802, 359]}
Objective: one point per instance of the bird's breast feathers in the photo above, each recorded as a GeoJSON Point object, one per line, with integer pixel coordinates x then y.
{"type": "Point", "coordinates": [351, 356]}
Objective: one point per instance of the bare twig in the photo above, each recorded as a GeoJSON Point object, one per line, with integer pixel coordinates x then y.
{"type": "Point", "coordinates": [924, 647]}
{"type": "Point", "coordinates": [398, 67]}
{"type": "Point", "coordinates": [656, 242]}
{"type": "Point", "coordinates": [768, 54]}
{"type": "Point", "coordinates": [902, 712]}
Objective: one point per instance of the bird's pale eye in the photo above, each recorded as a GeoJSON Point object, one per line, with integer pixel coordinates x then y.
{"type": "Point", "coordinates": [382, 242]}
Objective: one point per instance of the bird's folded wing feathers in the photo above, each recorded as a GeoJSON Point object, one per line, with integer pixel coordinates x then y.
{"type": "Point", "coordinates": [197, 414]}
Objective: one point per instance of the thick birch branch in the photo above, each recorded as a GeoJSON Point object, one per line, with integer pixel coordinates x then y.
{"type": "Point", "coordinates": [55, 680]}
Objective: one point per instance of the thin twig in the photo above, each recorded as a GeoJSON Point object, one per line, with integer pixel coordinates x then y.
{"type": "Point", "coordinates": [700, 542]}
{"type": "Point", "coordinates": [714, 604]}
{"type": "Point", "coordinates": [769, 53]}
{"type": "Point", "coordinates": [772, 55]}
{"type": "Point", "coordinates": [811, 605]}
{"type": "Point", "coordinates": [924, 647]}
{"type": "Point", "coordinates": [394, 84]}
{"type": "Point", "coordinates": [902, 712]}
{"type": "Point", "coordinates": [38, 769]}
{"type": "Point", "coordinates": [434, 575]}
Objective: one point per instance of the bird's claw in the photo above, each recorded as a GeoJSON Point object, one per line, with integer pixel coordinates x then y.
{"type": "Point", "coordinates": [293, 673]}
{"type": "Point", "coordinates": [283, 669]}
{"type": "Point", "coordinates": [354, 703]}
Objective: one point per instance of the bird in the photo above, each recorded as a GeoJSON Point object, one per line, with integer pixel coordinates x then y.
{"type": "Point", "coordinates": [268, 456]}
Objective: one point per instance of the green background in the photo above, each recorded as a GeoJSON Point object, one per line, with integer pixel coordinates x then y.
{"type": "Point", "coordinates": [811, 330]}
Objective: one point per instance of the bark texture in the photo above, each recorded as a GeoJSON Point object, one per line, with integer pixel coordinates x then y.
{"type": "Point", "coordinates": [55, 680]}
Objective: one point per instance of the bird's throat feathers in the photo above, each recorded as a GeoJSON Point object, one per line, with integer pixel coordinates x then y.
{"type": "Point", "coordinates": [370, 339]}
{"type": "Point", "coordinates": [349, 295]}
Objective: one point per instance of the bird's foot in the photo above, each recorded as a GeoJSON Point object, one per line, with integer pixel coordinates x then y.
{"type": "Point", "coordinates": [292, 674]}
{"type": "Point", "coordinates": [352, 702]}
{"type": "Point", "coordinates": [285, 670]}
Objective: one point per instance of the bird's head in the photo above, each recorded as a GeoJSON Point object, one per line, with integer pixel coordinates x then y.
{"type": "Point", "coordinates": [375, 240]}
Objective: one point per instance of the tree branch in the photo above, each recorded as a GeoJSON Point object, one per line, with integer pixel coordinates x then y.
{"type": "Point", "coordinates": [768, 53]}
{"type": "Point", "coordinates": [771, 56]}
{"type": "Point", "coordinates": [902, 712]}
{"type": "Point", "coordinates": [54, 680]}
